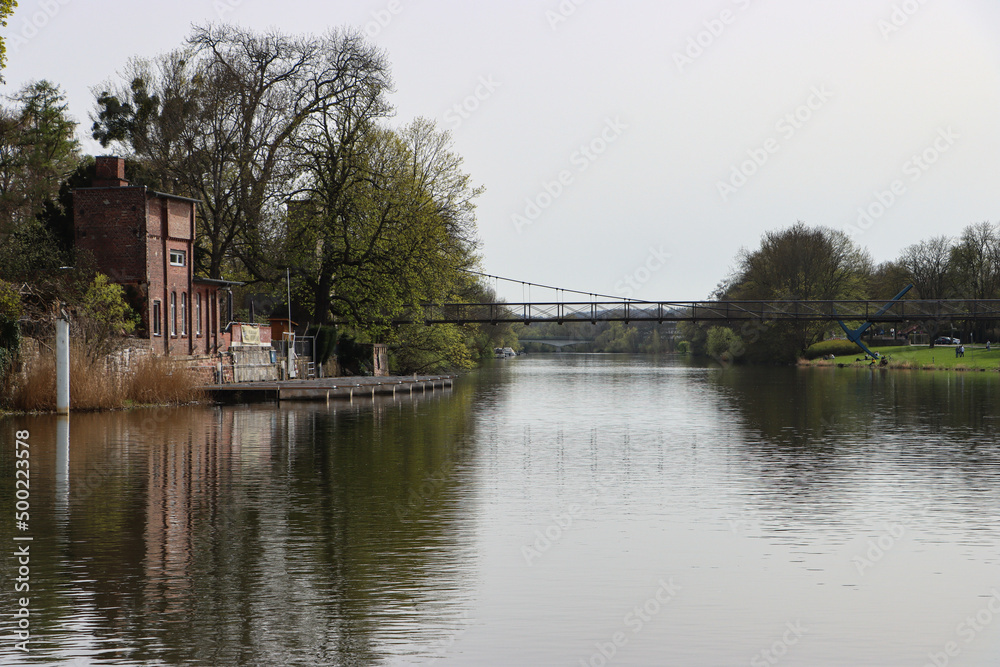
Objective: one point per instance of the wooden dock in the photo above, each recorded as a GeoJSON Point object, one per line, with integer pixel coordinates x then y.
{"type": "Point", "coordinates": [328, 389]}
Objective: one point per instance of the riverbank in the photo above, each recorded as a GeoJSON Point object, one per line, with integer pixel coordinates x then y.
{"type": "Point", "coordinates": [97, 385]}
{"type": "Point", "coordinates": [922, 357]}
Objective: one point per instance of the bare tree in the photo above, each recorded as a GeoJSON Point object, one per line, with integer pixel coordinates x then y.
{"type": "Point", "coordinates": [976, 272]}
{"type": "Point", "coordinates": [217, 121]}
{"type": "Point", "coordinates": [928, 266]}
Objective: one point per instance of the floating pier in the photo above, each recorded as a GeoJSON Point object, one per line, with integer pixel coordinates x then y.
{"type": "Point", "coordinates": [328, 389]}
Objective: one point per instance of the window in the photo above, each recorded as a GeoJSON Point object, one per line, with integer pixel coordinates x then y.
{"type": "Point", "coordinates": [184, 312]}
{"type": "Point", "coordinates": [197, 314]}
{"type": "Point", "coordinates": [157, 322]}
{"type": "Point", "coordinates": [177, 257]}
{"type": "Point", "coordinates": [173, 313]}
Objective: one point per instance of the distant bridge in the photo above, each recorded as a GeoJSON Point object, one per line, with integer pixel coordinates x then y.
{"type": "Point", "coordinates": [556, 342]}
{"type": "Point", "coordinates": [929, 312]}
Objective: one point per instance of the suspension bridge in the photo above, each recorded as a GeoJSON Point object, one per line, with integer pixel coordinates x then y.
{"type": "Point", "coordinates": [914, 310]}
{"type": "Point", "coordinates": [603, 308]}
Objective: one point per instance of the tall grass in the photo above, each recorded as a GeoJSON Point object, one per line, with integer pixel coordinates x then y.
{"type": "Point", "coordinates": [160, 380]}
{"type": "Point", "coordinates": [152, 380]}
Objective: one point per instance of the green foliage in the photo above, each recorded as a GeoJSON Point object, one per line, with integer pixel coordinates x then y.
{"type": "Point", "coordinates": [695, 337]}
{"type": "Point", "coordinates": [837, 347]}
{"type": "Point", "coordinates": [386, 221]}
{"type": "Point", "coordinates": [38, 148]}
{"type": "Point", "coordinates": [795, 263]}
{"type": "Point", "coordinates": [618, 337]}
{"type": "Point", "coordinates": [128, 120]}
{"type": "Point", "coordinates": [29, 253]}
{"type": "Point", "coordinates": [431, 349]}
{"type": "Point", "coordinates": [6, 9]}
{"type": "Point", "coordinates": [723, 344]}
{"type": "Point", "coordinates": [105, 316]}
{"type": "Point", "coordinates": [11, 307]}
{"type": "Point", "coordinates": [10, 334]}
{"type": "Point", "coordinates": [105, 303]}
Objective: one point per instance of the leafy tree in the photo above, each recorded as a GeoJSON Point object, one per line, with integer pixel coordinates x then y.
{"type": "Point", "coordinates": [385, 222]}
{"type": "Point", "coordinates": [801, 263]}
{"type": "Point", "coordinates": [795, 263]}
{"type": "Point", "coordinates": [431, 349]}
{"type": "Point", "coordinates": [724, 344]}
{"type": "Point", "coordinates": [38, 149]}
{"type": "Point", "coordinates": [29, 253]}
{"type": "Point", "coordinates": [6, 9]}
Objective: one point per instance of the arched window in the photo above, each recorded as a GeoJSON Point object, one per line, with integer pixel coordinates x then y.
{"type": "Point", "coordinates": [184, 309]}
{"type": "Point", "coordinates": [157, 318]}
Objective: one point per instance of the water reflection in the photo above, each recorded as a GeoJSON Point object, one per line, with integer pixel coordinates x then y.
{"type": "Point", "coordinates": [520, 518]}
{"type": "Point", "coordinates": [266, 535]}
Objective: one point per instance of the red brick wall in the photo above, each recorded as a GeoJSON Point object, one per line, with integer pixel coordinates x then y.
{"type": "Point", "coordinates": [179, 219]}
{"type": "Point", "coordinates": [131, 231]}
{"type": "Point", "coordinates": [109, 222]}
{"type": "Point", "coordinates": [168, 283]}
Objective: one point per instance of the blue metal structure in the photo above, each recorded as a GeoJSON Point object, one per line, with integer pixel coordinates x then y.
{"type": "Point", "coordinates": [854, 335]}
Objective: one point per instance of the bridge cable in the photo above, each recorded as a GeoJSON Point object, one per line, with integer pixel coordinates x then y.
{"type": "Point", "coordinates": [550, 287]}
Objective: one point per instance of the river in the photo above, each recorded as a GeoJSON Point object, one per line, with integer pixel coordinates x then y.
{"type": "Point", "coordinates": [549, 510]}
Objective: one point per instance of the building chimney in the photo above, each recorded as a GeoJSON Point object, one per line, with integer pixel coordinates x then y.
{"type": "Point", "coordinates": [110, 172]}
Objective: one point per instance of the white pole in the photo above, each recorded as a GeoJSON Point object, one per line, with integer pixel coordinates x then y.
{"type": "Point", "coordinates": [62, 466]}
{"type": "Point", "coordinates": [62, 366]}
{"type": "Point", "coordinates": [291, 337]}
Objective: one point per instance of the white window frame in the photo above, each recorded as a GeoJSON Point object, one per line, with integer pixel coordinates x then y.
{"type": "Point", "coordinates": [173, 313]}
{"type": "Point", "coordinates": [184, 302]}
{"type": "Point", "coordinates": [197, 314]}
{"type": "Point", "coordinates": [181, 257]}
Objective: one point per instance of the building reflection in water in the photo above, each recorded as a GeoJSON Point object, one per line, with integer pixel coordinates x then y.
{"type": "Point", "coordinates": [274, 534]}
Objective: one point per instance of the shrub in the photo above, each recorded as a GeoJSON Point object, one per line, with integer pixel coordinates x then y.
{"type": "Point", "coordinates": [836, 347]}
{"type": "Point", "coordinates": [106, 316]}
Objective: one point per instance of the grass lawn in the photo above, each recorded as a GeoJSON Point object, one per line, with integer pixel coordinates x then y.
{"type": "Point", "coordinates": [941, 356]}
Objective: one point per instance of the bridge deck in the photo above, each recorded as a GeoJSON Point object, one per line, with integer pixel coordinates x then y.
{"type": "Point", "coordinates": [927, 311]}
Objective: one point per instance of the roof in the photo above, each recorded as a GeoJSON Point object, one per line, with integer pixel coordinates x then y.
{"type": "Point", "coordinates": [165, 195]}
{"type": "Point", "coordinates": [217, 282]}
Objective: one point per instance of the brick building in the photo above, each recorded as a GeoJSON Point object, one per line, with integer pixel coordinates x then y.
{"type": "Point", "coordinates": [144, 240]}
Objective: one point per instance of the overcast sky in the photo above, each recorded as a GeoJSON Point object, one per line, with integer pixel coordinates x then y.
{"type": "Point", "coordinates": [633, 147]}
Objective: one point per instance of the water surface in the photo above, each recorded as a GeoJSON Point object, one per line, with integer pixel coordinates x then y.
{"type": "Point", "coordinates": [551, 510]}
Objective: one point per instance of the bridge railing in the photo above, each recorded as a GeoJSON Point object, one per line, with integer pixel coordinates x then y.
{"type": "Point", "coordinates": [708, 311]}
